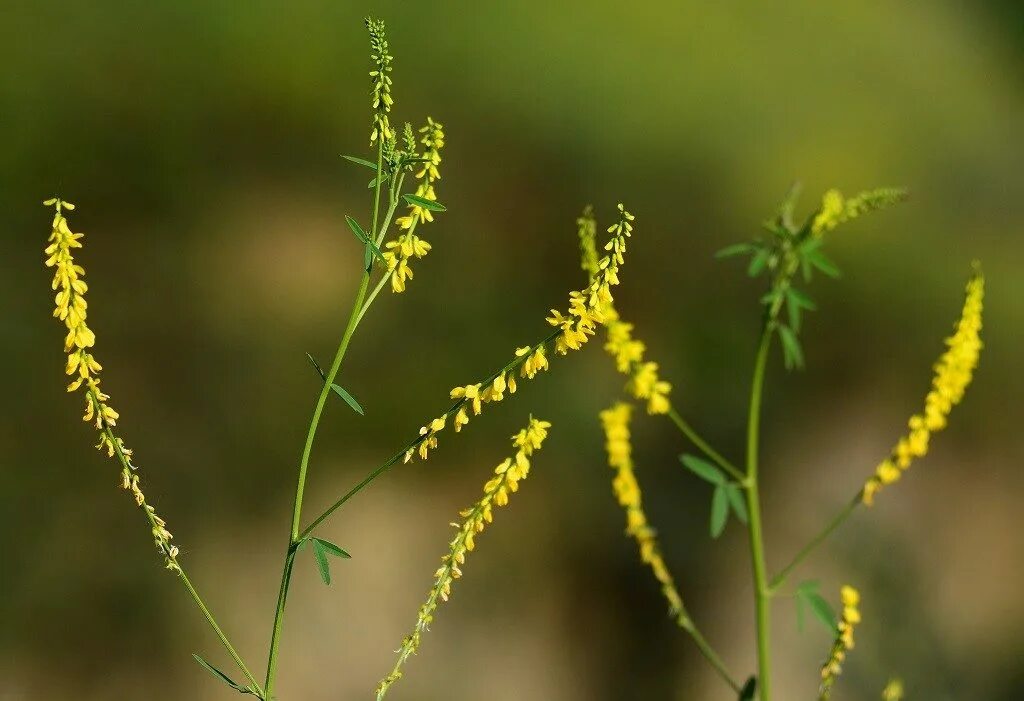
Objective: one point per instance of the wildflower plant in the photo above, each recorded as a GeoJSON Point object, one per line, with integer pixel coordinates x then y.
{"type": "Point", "coordinates": [406, 167]}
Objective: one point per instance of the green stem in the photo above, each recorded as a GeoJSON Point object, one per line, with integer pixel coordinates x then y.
{"type": "Point", "coordinates": [761, 593]}
{"type": "Point", "coordinates": [295, 539]}
{"type": "Point", "coordinates": [687, 624]}
{"type": "Point", "coordinates": [704, 447]}
{"type": "Point", "coordinates": [126, 465]}
{"type": "Point", "coordinates": [813, 544]}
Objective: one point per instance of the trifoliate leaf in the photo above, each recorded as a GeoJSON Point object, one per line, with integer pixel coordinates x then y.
{"type": "Point", "coordinates": [332, 549]}
{"type": "Point", "coordinates": [703, 469]}
{"type": "Point", "coordinates": [432, 205]}
{"type": "Point", "coordinates": [719, 511]}
{"type": "Point", "coordinates": [349, 399]}
{"type": "Point", "coordinates": [320, 555]}
{"type": "Point", "coordinates": [791, 351]}
{"type": "Point", "coordinates": [361, 161]}
{"type": "Point", "coordinates": [736, 501]}
{"type": "Point", "coordinates": [223, 677]}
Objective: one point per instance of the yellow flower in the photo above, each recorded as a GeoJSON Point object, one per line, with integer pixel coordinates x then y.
{"type": "Point", "coordinates": [504, 482]}
{"type": "Point", "coordinates": [70, 307]}
{"type": "Point", "coordinates": [843, 643]}
{"type": "Point", "coordinates": [836, 210]}
{"type": "Point", "coordinates": [644, 382]}
{"type": "Point", "coordinates": [400, 251]}
{"type": "Point", "coordinates": [953, 373]}
{"type": "Point", "coordinates": [893, 691]}
{"type": "Point", "coordinates": [617, 444]}
{"type": "Point", "coordinates": [380, 80]}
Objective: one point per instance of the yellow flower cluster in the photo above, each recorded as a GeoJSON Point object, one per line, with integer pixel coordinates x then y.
{"type": "Point", "coordinates": [505, 481]}
{"type": "Point", "coordinates": [380, 80]}
{"type": "Point", "coordinates": [573, 329]}
{"type": "Point", "coordinates": [843, 643]}
{"type": "Point", "coordinates": [893, 691]}
{"type": "Point", "coordinates": [645, 382]}
{"type": "Point", "coordinates": [620, 457]}
{"type": "Point", "coordinates": [70, 308]}
{"type": "Point", "coordinates": [953, 373]}
{"type": "Point", "coordinates": [408, 245]}
{"type": "Point", "coordinates": [836, 210]}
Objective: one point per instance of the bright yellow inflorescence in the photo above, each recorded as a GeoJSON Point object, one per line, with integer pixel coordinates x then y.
{"type": "Point", "coordinates": [953, 372]}
{"type": "Point", "coordinates": [380, 81]}
{"type": "Point", "coordinates": [505, 481]}
{"type": "Point", "coordinates": [400, 251]}
{"type": "Point", "coordinates": [71, 308]}
{"type": "Point", "coordinates": [644, 380]}
{"type": "Point", "coordinates": [893, 691]}
{"type": "Point", "coordinates": [836, 210]}
{"type": "Point", "coordinates": [843, 643]}
{"type": "Point", "coordinates": [620, 457]}
{"type": "Point", "coordinates": [573, 329]}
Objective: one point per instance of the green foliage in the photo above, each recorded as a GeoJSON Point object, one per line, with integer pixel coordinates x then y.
{"type": "Point", "coordinates": [223, 677]}
{"type": "Point", "coordinates": [726, 496]}
{"type": "Point", "coordinates": [321, 550]}
{"type": "Point", "coordinates": [807, 596]}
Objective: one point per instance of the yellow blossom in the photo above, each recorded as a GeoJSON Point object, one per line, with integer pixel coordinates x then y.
{"type": "Point", "coordinates": [380, 80]}
{"type": "Point", "coordinates": [627, 490]}
{"type": "Point", "coordinates": [843, 643]}
{"type": "Point", "coordinates": [893, 691]}
{"type": "Point", "coordinates": [836, 210]}
{"type": "Point", "coordinates": [953, 373]}
{"type": "Point", "coordinates": [503, 482]}
{"type": "Point", "coordinates": [70, 308]}
{"type": "Point", "coordinates": [400, 251]}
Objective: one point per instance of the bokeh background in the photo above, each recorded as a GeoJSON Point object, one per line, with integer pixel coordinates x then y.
{"type": "Point", "coordinates": [201, 141]}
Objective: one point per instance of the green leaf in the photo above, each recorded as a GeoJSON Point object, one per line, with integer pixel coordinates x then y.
{"type": "Point", "coordinates": [356, 229]}
{"type": "Point", "coordinates": [349, 399]}
{"type": "Point", "coordinates": [803, 589]}
{"type": "Point", "coordinates": [748, 690]}
{"type": "Point", "coordinates": [432, 205]}
{"type": "Point", "coordinates": [822, 263]}
{"type": "Point", "coordinates": [703, 469]}
{"type": "Point", "coordinates": [736, 501]}
{"type": "Point", "coordinates": [820, 608]}
{"type": "Point", "coordinates": [322, 564]}
{"type": "Point", "coordinates": [317, 367]}
{"type": "Point", "coordinates": [719, 511]}
{"type": "Point", "coordinates": [735, 250]}
{"type": "Point", "coordinates": [361, 161]}
{"type": "Point", "coordinates": [384, 177]}
{"type": "Point", "coordinates": [371, 249]}
{"type": "Point", "coordinates": [223, 677]}
{"type": "Point", "coordinates": [801, 299]}
{"type": "Point", "coordinates": [791, 351]}
{"type": "Point", "coordinates": [793, 309]}
{"type": "Point", "coordinates": [758, 263]}
{"type": "Point", "coordinates": [332, 549]}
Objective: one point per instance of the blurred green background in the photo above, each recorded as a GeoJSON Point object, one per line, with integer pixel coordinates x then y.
{"type": "Point", "coordinates": [200, 141]}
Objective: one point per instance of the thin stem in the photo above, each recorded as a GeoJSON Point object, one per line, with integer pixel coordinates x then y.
{"type": "Point", "coordinates": [687, 624]}
{"type": "Point", "coordinates": [314, 424]}
{"type": "Point", "coordinates": [126, 465]}
{"type": "Point", "coordinates": [761, 594]}
{"type": "Point", "coordinates": [813, 544]}
{"type": "Point", "coordinates": [704, 447]}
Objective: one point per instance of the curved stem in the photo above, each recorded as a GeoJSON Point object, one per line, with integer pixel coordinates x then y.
{"type": "Point", "coordinates": [704, 447]}
{"type": "Point", "coordinates": [813, 544]}
{"type": "Point", "coordinates": [761, 594]}
{"type": "Point", "coordinates": [294, 539]}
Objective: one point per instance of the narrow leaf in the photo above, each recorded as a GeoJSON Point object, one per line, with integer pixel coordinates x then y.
{"type": "Point", "coordinates": [332, 549]}
{"type": "Point", "coordinates": [719, 511]}
{"type": "Point", "coordinates": [735, 250]}
{"type": "Point", "coordinates": [220, 675]}
{"type": "Point", "coordinates": [361, 161]}
{"type": "Point", "coordinates": [356, 229]}
{"type": "Point", "coordinates": [432, 205]}
{"type": "Point", "coordinates": [736, 501]}
{"type": "Point", "coordinates": [801, 299]}
{"type": "Point", "coordinates": [316, 365]}
{"type": "Point", "coordinates": [703, 469]}
{"type": "Point", "coordinates": [792, 352]}
{"type": "Point", "coordinates": [349, 399]}
{"type": "Point", "coordinates": [321, 561]}
{"type": "Point", "coordinates": [384, 177]}
{"type": "Point", "coordinates": [821, 609]}
{"type": "Point", "coordinates": [748, 690]}
{"type": "Point", "coordinates": [758, 263]}
{"type": "Point", "coordinates": [822, 263]}
{"type": "Point", "coordinates": [793, 308]}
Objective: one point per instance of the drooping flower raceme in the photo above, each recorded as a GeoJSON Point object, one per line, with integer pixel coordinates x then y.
{"type": "Point", "coordinates": [627, 491]}
{"type": "Point", "coordinates": [850, 617]}
{"type": "Point", "coordinates": [408, 245]}
{"type": "Point", "coordinates": [836, 210]}
{"type": "Point", "coordinates": [504, 482]}
{"type": "Point", "coordinates": [70, 308]}
{"type": "Point", "coordinates": [953, 373]}
{"type": "Point", "coordinates": [573, 329]}
{"type": "Point", "coordinates": [644, 381]}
